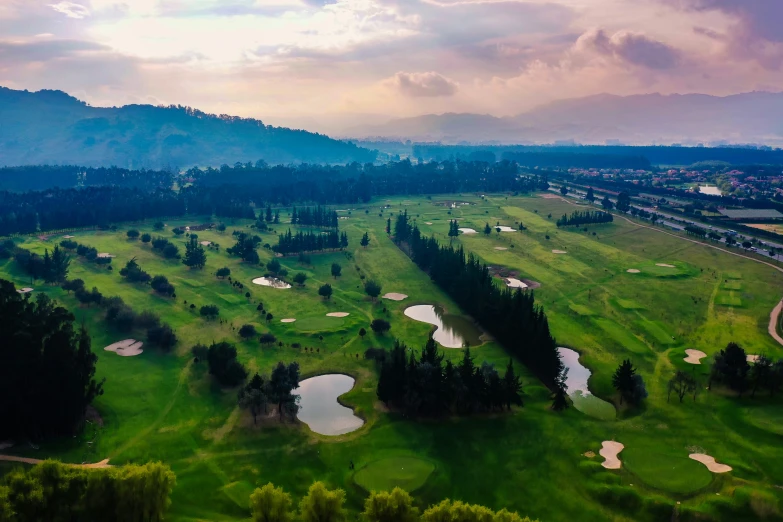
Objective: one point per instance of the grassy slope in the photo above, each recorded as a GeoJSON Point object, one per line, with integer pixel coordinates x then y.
{"type": "Point", "coordinates": [164, 407]}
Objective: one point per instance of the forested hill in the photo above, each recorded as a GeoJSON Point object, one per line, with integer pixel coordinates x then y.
{"type": "Point", "coordinates": [51, 127]}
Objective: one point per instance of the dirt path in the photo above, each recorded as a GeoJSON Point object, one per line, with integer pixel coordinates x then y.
{"type": "Point", "coordinates": [24, 460]}
{"type": "Point", "coordinates": [773, 322]}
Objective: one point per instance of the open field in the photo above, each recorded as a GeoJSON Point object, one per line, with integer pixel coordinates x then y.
{"type": "Point", "coordinates": [165, 407]}
{"type": "Point", "coordinates": [769, 227]}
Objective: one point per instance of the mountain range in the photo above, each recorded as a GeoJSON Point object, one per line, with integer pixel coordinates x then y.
{"type": "Point", "coordinates": [51, 127]}
{"type": "Point", "coordinates": [689, 119]}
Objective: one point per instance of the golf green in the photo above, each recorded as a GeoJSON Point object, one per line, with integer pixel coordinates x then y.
{"type": "Point", "coordinates": [408, 473]}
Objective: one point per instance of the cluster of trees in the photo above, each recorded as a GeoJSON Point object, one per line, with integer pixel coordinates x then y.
{"type": "Point", "coordinates": [195, 256]}
{"type": "Point", "coordinates": [42, 177]}
{"type": "Point", "coordinates": [318, 216]}
{"type": "Point", "coordinates": [245, 247]}
{"type": "Point", "coordinates": [629, 384]}
{"type": "Point", "coordinates": [276, 389]}
{"type": "Point", "coordinates": [134, 273]}
{"type": "Point", "coordinates": [511, 316]}
{"type": "Point", "coordinates": [273, 504]}
{"type": "Point", "coordinates": [289, 243]}
{"type": "Point", "coordinates": [586, 217]}
{"type": "Point", "coordinates": [87, 252]}
{"type": "Point", "coordinates": [731, 368]}
{"type": "Point", "coordinates": [165, 247]}
{"type": "Point", "coordinates": [58, 209]}
{"type": "Point", "coordinates": [52, 268]}
{"type": "Point", "coordinates": [47, 375]}
{"type": "Point", "coordinates": [695, 230]}
{"type": "Point", "coordinates": [426, 386]}
{"type": "Point", "coordinates": [54, 491]}
{"type": "Point", "coordinates": [223, 364]}
{"type": "Point", "coordinates": [269, 216]}
{"type": "Point", "coordinates": [123, 318]}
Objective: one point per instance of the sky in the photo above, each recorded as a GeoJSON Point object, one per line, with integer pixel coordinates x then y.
{"type": "Point", "coordinates": [362, 60]}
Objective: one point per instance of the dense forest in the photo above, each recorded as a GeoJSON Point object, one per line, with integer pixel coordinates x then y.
{"type": "Point", "coordinates": [53, 127]}
{"type": "Point", "coordinates": [289, 243]}
{"type": "Point", "coordinates": [47, 366]}
{"type": "Point", "coordinates": [511, 316]}
{"type": "Point", "coordinates": [21, 179]}
{"type": "Point", "coordinates": [586, 217]}
{"type": "Point", "coordinates": [237, 191]}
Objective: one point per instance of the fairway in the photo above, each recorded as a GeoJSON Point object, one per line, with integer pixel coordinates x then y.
{"type": "Point", "coordinates": [408, 473]}
{"type": "Point", "coordinates": [167, 407]}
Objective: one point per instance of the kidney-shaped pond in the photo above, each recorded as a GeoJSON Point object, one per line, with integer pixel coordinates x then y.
{"type": "Point", "coordinates": [318, 406]}
{"type": "Point", "coordinates": [452, 331]}
{"type": "Point", "coordinates": [576, 385]}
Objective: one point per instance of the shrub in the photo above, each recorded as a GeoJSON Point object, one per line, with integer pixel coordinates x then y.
{"type": "Point", "coordinates": [209, 311]}
{"type": "Point", "coordinates": [162, 336]}
{"type": "Point", "coordinates": [380, 326]}
{"type": "Point", "coordinates": [247, 331]}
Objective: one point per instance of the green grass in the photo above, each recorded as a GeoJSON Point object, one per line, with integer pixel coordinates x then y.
{"type": "Point", "coordinates": [732, 285]}
{"type": "Point", "coordinates": [164, 407]}
{"type": "Point", "coordinates": [409, 473]}
{"type": "Point", "coordinates": [666, 471]}
{"type": "Point", "coordinates": [724, 299]}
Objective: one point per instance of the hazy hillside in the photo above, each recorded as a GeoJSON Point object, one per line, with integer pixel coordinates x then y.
{"type": "Point", "coordinates": [55, 128]}
{"type": "Point", "coordinates": [755, 117]}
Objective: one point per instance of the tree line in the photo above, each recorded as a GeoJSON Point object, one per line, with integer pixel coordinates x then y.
{"type": "Point", "coordinates": [47, 377]}
{"type": "Point", "coordinates": [586, 217]}
{"type": "Point", "coordinates": [425, 386]}
{"type": "Point", "coordinates": [42, 177]}
{"type": "Point", "coordinates": [51, 268]}
{"type": "Point", "coordinates": [511, 316]}
{"type": "Point", "coordinates": [318, 216]}
{"type": "Point", "coordinates": [289, 243]}
{"type": "Point", "coordinates": [54, 491]}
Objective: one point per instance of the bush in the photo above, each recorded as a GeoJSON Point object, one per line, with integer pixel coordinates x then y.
{"type": "Point", "coordinates": [200, 351]}
{"type": "Point", "coordinates": [132, 234]}
{"type": "Point", "coordinates": [375, 354]}
{"type": "Point", "coordinates": [171, 251]}
{"type": "Point", "coordinates": [267, 338]}
{"type": "Point", "coordinates": [146, 238]}
{"type": "Point", "coordinates": [380, 326]}
{"type": "Point", "coordinates": [209, 311]}
{"type": "Point", "coordinates": [161, 285]}
{"type": "Point", "coordinates": [223, 272]}
{"type": "Point", "coordinates": [223, 364]}
{"type": "Point", "coordinates": [162, 336]}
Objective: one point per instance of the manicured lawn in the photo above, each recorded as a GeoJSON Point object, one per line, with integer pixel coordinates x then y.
{"type": "Point", "coordinates": [164, 406]}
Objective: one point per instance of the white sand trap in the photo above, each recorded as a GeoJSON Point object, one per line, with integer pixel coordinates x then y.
{"type": "Point", "coordinates": [25, 290]}
{"type": "Point", "coordinates": [752, 358]}
{"type": "Point", "coordinates": [609, 452]}
{"type": "Point", "coordinates": [505, 229]}
{"type": "Point", "coordinates": [288, 320]}
{"type": "Point", "coordinates": [68, 237]}
{"type": "Point", "coordinates": [105, 255]}
{"type": "Point", "coordinates": [633, 271]}
{"type": "Point", "coordinates": [501, 248]}
{"type": "Point", "coordinates": [665, 265]}
{"type": "Point", "coordinates": [515, 283]}
{"type": "Point", "coordinates": [468, 231]}
{"type": "Point", "coordinates": [337, 314]}
{"type": "Point", "coordinates": [559, 252]}
{"type": "Point", "coordinates": [126, 348]}
{"type": "Point", "coordinates": [710, 463]}
{"type": "Point", "coordinates": [271, 281]}
{"type": "Point", "coordinates": [428, 222]}
{"type": "Point", "coordinates": [694, 356]}
{"type": "Point", "coordinates": [205, 243]}
{"type": "Point", "coordinates": [394, 296]}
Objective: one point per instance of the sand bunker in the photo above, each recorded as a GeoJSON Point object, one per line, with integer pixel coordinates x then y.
{"type": "Point", "coordinates": [68, 237]}
{"type": "Point", "coordinates": [505, 229]}
{"type": "Point", "coordinates": [271, 281]}
{"type": "Point", "coordinates": [25, 290]}
{"type": "Point", "coordinates": [288, 320]}
{"type": "Point", "coordinates": [126, 348]}
{"type": "Point", "coordinates": [710, 463]}
{"type": "Point", "coordinates": [609, 451]}
{"type": "Point", "coordinates": [665, 265]}
{"type": "Point", "coordinates": [515, 283]}
{"type": "Point", "coordinates": [559, 252]}
{"type": "Point", "coordinates": [205, 243]}
{"type": "Point", "coordinates": [633, 271]}
{"type": "Point", "coordinates": [468, 231]}
{"type": "Point", "coordinates": [752, 358]}
{"type": "Point", "coordinates": [694, 356]}
{"type": "Point", "coordinates": [501, 248]}
{"type": "Point", "coordinates": [337, 314]}
{"type": "Point", "coordinates": [394, 296]}
{"type": "Point", "coordinates": [428, 222]}
{"type": "Point", "coordinates": [104, 255]}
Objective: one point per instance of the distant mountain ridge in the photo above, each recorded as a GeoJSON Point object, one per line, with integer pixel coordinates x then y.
{"type": "Point", "coordinates": [755, 117]}
{"type": "Point", "coordinates": [52, 127]}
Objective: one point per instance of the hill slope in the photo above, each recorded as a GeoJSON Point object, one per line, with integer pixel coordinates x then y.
{"type": "Point", "coordinates": [755, 117]}
{"type": "Point", "coordinates": [53, 127]}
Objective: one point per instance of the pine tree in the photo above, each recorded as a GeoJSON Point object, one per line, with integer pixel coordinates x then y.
{"type": "Point", "coordinates": [365, 240]}
{"type": "Point", "coordinates": [195, 257]}
{"type": "Point", "coordinates": [60, 263]}
{"type": "Point", "coordinates": [512, 387]}
{"type": "Point", "coordinates": [388, 226]}
{"type": "Point", "coordinates": [268, 216]}
{"type": "Point", "coordinates": [560, 398]}
{"type": "Point", "coordinates": [276, 220]}
{"type": "Point", "coordinates": [623, 379]}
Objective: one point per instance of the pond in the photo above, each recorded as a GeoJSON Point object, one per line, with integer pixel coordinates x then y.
{"type": "Point", "coordinates": [576, 385]}
{"type": "Point", "coordinates": [318, 406]}
{"type": "Point", "coordinates": [271, 281]}
{"type": "Point", "coordinates": [453, 331]}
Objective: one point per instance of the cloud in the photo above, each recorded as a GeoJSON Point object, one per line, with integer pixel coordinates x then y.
{"type": "Point", "coordinates": [70, 9]}
{"type": "Point", "coordinates": [757, 32]}
{"type": "Point", "coordinates": [633, 48]}
{"type": "Point", "coordinates": [423, 85]}
{"type": "Point", "coordinates": [44, 50]}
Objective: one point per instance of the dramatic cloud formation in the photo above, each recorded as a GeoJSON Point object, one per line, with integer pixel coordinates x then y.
{"type": "Point", "coordinates": [319, 60]}
{"type": "Point", "coordinates": [425, 84]}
